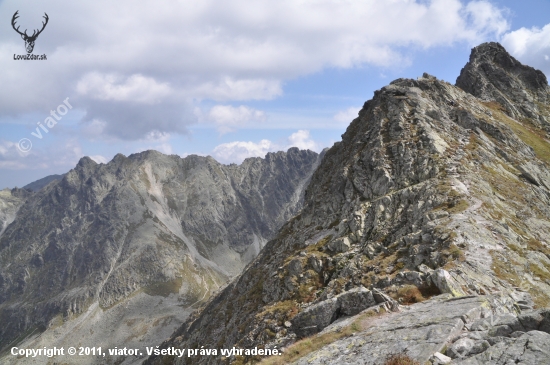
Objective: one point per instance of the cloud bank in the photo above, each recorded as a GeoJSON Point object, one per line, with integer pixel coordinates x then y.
{"type": "Point", "coordinates": [143, 69]}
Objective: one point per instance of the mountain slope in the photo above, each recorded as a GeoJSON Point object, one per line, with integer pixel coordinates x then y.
{"type": "Point", "coordinates": [432, 190]}
{"type": "Point", "coordinates": [40, 183]}
{"type": "Point", "coordinates": [10, 202]}
{"type": "Point", "coordinates": [132, 244]}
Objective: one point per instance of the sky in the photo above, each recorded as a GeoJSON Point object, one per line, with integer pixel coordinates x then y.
{"type": "Point", "coordinates": [231, 79]}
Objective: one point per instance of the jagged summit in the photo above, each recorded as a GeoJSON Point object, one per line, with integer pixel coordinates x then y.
{"type": "Point", "coordinates": [432, 190]}
{"type": "Point", "coordinates": [492, 74]}
{"type": "Point", "coordinates": [486, 58]}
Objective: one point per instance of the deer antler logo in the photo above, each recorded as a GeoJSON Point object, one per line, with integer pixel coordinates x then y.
{"type": "Point", "coordinates": [29, 40]}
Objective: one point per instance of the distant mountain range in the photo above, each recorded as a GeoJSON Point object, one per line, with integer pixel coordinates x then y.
{"type": "Point", "coordinates": [121, 252]}
{"type": "Point", "coordinates": [40, 183]}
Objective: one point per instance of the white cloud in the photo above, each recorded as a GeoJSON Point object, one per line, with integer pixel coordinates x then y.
{"type": "Point", "coordinates": [116, 56]}
{"type": "Point", "coordinates": [94, 128]}
{"type": "Point", "coordinates": [485, 20]}
{"type": "Point", "coordinates": [156, 136]}
{"type": "Point", "coordinates": [346, 116]}
{"type": "Point", "coordinates": [99, 159]}
{"type": "Point", "coordinates": [227, 118]}
{"type": "Point", "coordinates": [136, 88]}
{"type": "Point", "coordinates": [236, 152]}
{"type": "Point", "coordinates": [165, 148]}
{"type": "Point", "coordinates": [302, 140]}
{"type": "Point", "coordinates": [10, 156]}
{"type": "Point", "coordinates": [230, 89]}
{"type": "Point", "coordinates": [158, 141]}
{"type": "Point", "coordinates": [65, 155]}
{"type": "Point", "coordinates": [530, 46]}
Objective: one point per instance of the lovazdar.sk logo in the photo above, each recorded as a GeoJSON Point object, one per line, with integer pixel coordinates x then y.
{"type": "Point", "coordinates": [29, 39]}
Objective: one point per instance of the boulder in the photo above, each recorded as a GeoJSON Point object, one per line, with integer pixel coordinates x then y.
{"type": "Point", "coordinates": [445, 283]}
{"type": "Point", "coordinates": [295, 267]}
{"type": "Point", "coordinates": [439, 359]}
{"type": "Point", "coordinates": [355, 301]}
{"type": "Point", "coordinates": [466, 347]}
{"type": "Point", "coordinates": [318, 316]}
{"type": "Point", "coordinates": [339, 245]}
{"type": "Point", "coordinates": [313, 319]}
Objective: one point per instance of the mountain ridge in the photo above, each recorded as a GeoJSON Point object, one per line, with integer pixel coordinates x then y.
{"type": "Point", "coordinates": [431, 191]}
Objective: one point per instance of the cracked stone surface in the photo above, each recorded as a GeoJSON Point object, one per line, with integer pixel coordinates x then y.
{"type": "Point", "coordinates": [419, 331]}
{"type": "Point", "coordinates": [505, 339]}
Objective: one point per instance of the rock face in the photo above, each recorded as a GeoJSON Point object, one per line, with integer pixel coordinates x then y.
{"type": "Point", "coordinates": [493, 75]}
{"type": "Point", "coordinates": [10, 202]}
{"type": "Point", "coordinates": [432, 190]}
{"type": "Point", "coordinates": [316, 317]}
{"type": "Point", "coordinates": [116, 253]}
{"type": "Point", "coordinates": [467, 329]}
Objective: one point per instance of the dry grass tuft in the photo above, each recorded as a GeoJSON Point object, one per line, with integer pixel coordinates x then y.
{"type": "Point", "coordinates": [311, 344]}
{"type": "Point", "coordinates": [456, 253]}
{"type": "Point", "coordinates": [526, 132]}
{"type": "Point", "coordinates": [400, 359]}
{"type": "Point", "coordinates": [535, 245]}
{"type": "Point", "coordinates": [409, 294]}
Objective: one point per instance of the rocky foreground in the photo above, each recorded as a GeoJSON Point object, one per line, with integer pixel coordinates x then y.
{"type": "Point", "coordinates": [469, 329]}
{"type": "Point", "coordinates": [424, 234]}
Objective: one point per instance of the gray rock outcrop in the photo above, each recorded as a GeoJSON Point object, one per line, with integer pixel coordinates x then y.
{"type": "Point", "coordinates": [316, 317]}
{"type": "Point", "coordinates": [10, 202]}
{"type": "Point", "coordinates": [466, 329]}
{"type": "Point", "coordinates": [494, 75]}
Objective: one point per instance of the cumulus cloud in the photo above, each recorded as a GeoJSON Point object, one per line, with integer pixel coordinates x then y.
{"type": "Point", "coordinates": [229, 88]}
{"type": "Point", "coordinates": [236, 152]}
{"type": "Point", "coordinates": [134, 121]}
{"type": "Point", "coordinates": [136, 88]}
{"type": "Point", "coordinates": [530, 46]}
{"type": "Point", "coordinates": [158, 141]}
{"type": "Point", "coordinates": [227, 118]}
{"type": "Point", "coordinates": [485, 21]}
{"type": "Point", "coordinates": [65, 155]}
{"type": "Point", "coordinates": [302, 140]}
{"type": "Point", "coordinates": [120, 59]}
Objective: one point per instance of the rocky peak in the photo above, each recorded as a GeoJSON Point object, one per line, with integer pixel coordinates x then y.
{"type": "Point", "coordinates": [85, 162]}
{"type": "Point", "coordinates": [492, 74]}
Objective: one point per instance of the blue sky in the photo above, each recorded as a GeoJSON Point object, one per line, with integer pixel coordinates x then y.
{"type": "Point", "coordinates": [229, 79]}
